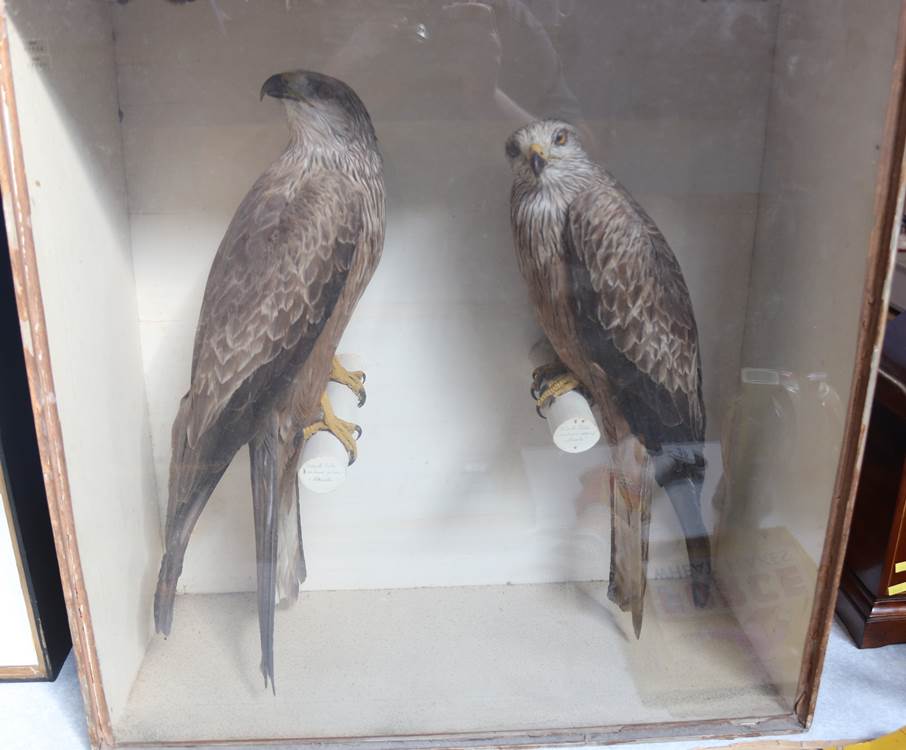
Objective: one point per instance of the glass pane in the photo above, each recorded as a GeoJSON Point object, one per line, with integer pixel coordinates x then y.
{"type": "Point", "coordinates": [687, 234]}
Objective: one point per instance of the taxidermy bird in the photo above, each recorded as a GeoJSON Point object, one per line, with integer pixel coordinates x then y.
{"type": "Point", "coordinates": [611, 298]}
{"type": "Point", "coordinates": [295, 259]}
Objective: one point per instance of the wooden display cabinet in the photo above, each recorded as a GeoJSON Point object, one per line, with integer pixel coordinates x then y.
{"type": "Point", "coordinates": [872, 601]}
{"type": "Point", "coordinates": [458, 597]}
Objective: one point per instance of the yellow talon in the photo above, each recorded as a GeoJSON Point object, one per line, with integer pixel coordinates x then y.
{"type": "Point", "coordinates": [557, 387]}
{"type": "Point", "coordinates": [354, 381]}
{"type": "Point", "coordinates": [544, 373]}
{"type": "Point", "coordinates": [346, 432]}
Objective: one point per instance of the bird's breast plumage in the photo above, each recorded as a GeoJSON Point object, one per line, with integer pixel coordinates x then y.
{"type": "Point", "coordinates": [609, 293]}
{"type": "Point", "coordinates": [538, 221]}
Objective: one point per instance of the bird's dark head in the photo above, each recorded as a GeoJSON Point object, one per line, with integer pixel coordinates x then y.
{"type": "Point", "coordinates": [315, 100]}
{"type": "Point", "coordinates": [546, 150]}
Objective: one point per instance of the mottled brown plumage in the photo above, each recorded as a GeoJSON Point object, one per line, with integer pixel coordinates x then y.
{"type": "Point", "coordinates": [295, 259]}
{"type": "Point", "coordinates": [611, 298]}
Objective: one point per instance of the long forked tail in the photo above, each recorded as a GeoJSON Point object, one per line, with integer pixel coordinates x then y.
{"type": "Point", "coordinates": [630, 484]}
{"type": "Point", "coordinates": [191, 483]}
{"type": "Point", "coordinates": [265, 496]}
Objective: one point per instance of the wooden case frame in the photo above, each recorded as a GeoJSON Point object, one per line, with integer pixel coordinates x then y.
{"type": "Point", "coordinates": [888, 202]}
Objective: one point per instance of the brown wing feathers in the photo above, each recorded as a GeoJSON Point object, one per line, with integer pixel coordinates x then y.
{"type": "Point", "coordinates": [634, 316]}
{"type": "Point", "coordinates": [634, 320]}
{"type": "Point", "coordinates": [272, 287]}
{"type": "Point", "coordinates": [256, 312]}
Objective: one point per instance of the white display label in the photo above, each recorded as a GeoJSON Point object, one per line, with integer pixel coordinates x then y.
{"type": "Point", "coordinates": [576, 435]}
{"type": "Point", "coordinates": [323, 474]}
{"type": "Point", "coordinates": [572, 423]}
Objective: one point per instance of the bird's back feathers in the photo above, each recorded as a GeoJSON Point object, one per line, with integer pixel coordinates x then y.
{"type": "Point", "coordinates": [273, 286]}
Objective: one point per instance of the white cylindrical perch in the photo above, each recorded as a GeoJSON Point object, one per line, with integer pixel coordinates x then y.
{"type": "Point", "coordinates": [572, 423]}
{"type": "Point", "coordinates": [324, 458]}
{"type": "Point", "coordinates": [573, 426]}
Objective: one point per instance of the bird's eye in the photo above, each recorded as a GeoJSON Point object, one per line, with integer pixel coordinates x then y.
{"type": "Point", "coordinates": [512, 149]}
{"type": "Point", "coordinates": [560, 138]}
{"type": "Point", "coordinates": [319, 90]}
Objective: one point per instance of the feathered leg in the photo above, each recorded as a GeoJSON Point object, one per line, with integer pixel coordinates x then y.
{"type": "Point", "coordinates": [630, 504]}
{"type": "Point", "coordinates": [263, 453]}
{"type": "Point", "coordinates": [683, 484]}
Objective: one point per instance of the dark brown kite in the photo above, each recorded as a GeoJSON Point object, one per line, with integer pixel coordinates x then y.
{"type": "Point", "coordinates": [296, 257]}
{"type": "Point", "coordinates": [611, 298]}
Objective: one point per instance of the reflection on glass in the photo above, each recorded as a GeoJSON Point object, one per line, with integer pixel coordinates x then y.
{"type": "Point", "coordinates": [458, 573]}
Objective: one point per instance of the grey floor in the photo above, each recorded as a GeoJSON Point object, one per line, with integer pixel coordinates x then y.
{"type": "Point", "coordinates": [863, 695]}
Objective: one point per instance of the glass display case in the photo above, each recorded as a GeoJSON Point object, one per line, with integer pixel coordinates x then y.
{"type": "Point", "coordinates": [614, 272]}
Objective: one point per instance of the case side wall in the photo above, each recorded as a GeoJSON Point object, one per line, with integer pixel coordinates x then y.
{"type": "Point", "coordinates": [787, 471]}
{"type": "Point", "coordinates": [71, 228]}
{"type": "Point", "coordinates": [889, 196]}
{"type": "Point", "coordinates": [17, 212]}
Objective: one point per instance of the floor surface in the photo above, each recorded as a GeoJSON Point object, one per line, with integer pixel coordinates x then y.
{"type": "Point", "coordinates": [442, 660]}
{"type": "Point", "coordinates": [863, 695]}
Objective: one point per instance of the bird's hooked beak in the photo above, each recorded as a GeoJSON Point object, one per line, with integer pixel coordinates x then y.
{"type": "Point", "coordinates": [538, 159]}
{"type": "Point", "coordinates": [281, 86]}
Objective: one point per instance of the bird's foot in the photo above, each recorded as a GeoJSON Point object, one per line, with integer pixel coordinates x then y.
{"type": "Point", "coordinates": [554, 388]}
{"type": "Point", "coordinates": [354, 380]}
{"type": "Point", "coordinates": [346, 432]}
{"type": "Point", "coordinates": [544, 374]}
